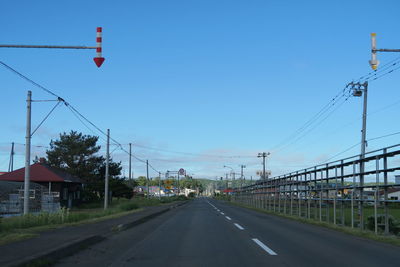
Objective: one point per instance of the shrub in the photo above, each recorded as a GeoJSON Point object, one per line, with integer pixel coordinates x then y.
{"type": "Point", "coordinates": [394, 226]}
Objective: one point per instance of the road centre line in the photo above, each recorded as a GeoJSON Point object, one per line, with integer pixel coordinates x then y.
{"type": "Point", "coordinates": [228, 218]}
{"type": "Point", "coordinates": [264, 247]}
{"type": "Point", "coordinates": [238, 226]}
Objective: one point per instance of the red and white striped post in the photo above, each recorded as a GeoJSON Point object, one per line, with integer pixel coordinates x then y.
{"type": "Point", "coordinates": [99, 59]}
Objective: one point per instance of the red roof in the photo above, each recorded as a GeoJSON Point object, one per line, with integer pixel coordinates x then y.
{"type": "Point", "coordinates": [229, 190]}
{"type": "Point", "coordinates": [40, 173]}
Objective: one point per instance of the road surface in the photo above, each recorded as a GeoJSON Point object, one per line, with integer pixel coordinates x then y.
{"type": "Point", "coordinates": [206, 232]}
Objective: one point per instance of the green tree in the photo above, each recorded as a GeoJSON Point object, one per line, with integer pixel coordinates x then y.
{"type": "Point", "coordinates": [77, 154]}
{"type": "Point", "coordinates": [141, 181]}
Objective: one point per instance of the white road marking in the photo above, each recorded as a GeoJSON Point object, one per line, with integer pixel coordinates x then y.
{"type": "Point", "coordinates": [238, 226]}
{"type": "Point", "coordinates": [222, 213]}
{"type": "Point", "coordinates": [264, 247]}
{"type": "Point", "coordinates": [228, 218]}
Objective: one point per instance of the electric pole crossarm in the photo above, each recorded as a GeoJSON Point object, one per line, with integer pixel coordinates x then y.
{"type": "Point", "coordinates": [48, 46]}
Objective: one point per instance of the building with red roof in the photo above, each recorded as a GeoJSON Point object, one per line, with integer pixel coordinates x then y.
{"type": "Point", "coordinates": [63, 185]}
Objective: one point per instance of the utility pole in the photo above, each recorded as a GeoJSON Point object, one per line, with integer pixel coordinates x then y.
{"type": "Point", "coordinates": [241, 174]}
{"type": "Point", "coordinates": [159, 185]}
{"type": "Point", "coordinates": [358, 90]}
{"type": "Point", "coordinates": [263, 155]}
{"type": "Point", "coordinates": [107, 171]}
{"type": "Point", "coordinates": [27, 153]}
{"type": "Point", "coordinates": [147, 178]}
{"type": "Point", "coordinates": [11, 164]}
{"type": "Point", "coordinates": [179, 188]}
{"type": "Point", "coordinates": [130, 162]}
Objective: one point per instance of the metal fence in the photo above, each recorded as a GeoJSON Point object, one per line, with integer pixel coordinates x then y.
{"type": "Point", "coordinates": [12, 198]}
{"type": "Point", "coordinates": [337, 192]}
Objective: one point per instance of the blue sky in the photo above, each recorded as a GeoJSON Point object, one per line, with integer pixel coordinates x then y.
{"type": "Point", "coordinates": [211, 78]}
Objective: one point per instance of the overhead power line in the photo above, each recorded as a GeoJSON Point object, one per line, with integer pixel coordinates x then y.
{"type": "Point", "coordinates": [192, 154]}
{"type": "Point", "coordinates": [72, 108]}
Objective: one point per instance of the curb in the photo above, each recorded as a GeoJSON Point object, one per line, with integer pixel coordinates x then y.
{"type": "Point", "coordinates": [49, 258]}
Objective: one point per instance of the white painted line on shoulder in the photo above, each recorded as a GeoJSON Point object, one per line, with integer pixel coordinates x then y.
{"type": "Point", "coordinates": [264, 247]}
{"type": "Point", "coordinates": [228, 218]}
{"type": "Point", "coordinates": [238, 226]}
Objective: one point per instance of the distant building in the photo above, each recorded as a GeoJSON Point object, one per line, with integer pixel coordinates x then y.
{"type": "Point", "coordinates": [397, 179]}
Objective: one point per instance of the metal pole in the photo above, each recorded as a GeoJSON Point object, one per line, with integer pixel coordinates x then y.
{"type": "Point", "coordinates": [159, 185]}
{"type": "Point", "coordinates": [376, 202]}
{"type": "Point", "coordinates": [107, 170]}
{"type": "Point", "coordinates": [179, 188]}
{"type": "Point", "coordinates": [147, 178]}
{"type": "Point", "coordinates": [27, 153]}
{"type": "Point", "coordinates": [11, 164]}
{"type": "Point", "coordinates": [264, 155]}
{"type": "Point", "coordinates": [385, 191]}
{"type": "Point", "coordinates": [352, 195]}
{"type": "Point", "coordinates": [130, 161]}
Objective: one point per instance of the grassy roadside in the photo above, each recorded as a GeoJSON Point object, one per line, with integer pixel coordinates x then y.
{"type": "Point", "coordinates": [393, 240]}
{"type": "Point", "coordinates": [28, 226]}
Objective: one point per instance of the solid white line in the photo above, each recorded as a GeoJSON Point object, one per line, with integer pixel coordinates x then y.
{"type": "Point", "coordinates": [264, 247]}
{"type": "Point", "coordinates": [228, 218]}
{"type": "Point", "coordinates": [238, 226]}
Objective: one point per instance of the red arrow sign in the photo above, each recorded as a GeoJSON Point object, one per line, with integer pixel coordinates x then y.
{"type": "Point", "coordinates": [98, 61]}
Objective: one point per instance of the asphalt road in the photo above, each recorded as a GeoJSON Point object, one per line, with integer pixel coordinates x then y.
{"type": "Point", "coordinates": [206, 232]}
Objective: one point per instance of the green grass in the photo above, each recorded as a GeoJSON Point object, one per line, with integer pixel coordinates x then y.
{"type": "Point", "coordinates": [391, 239]}
{"type": "Point", "coordinates": [27, 226]}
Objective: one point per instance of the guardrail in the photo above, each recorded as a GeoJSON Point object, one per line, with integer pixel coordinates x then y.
{"type": "Point", "coordinates": [336, 192]}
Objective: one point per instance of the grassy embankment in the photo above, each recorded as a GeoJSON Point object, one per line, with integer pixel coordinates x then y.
{"type": "Point", "coordinates": [27, 226]}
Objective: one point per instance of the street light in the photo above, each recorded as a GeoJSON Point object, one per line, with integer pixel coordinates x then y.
{"type": "Point", "coordinates": [232, 171]}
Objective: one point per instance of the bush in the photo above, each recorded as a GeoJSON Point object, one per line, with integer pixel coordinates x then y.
{"type": "Point", "coordinates": [394, 226]}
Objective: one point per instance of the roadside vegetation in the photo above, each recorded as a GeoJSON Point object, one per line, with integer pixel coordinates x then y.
{"type": "Point", "coordinates": [26, 226]}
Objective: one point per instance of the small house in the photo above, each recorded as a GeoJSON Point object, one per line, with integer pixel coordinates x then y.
{"type": "Point", "coordinates": [64, 186]}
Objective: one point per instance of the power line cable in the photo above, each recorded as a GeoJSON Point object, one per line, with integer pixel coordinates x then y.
{"type": "Point", "coordinates": [66, 103]}
{"type": "Point", "coordinates": [340, 153]}
{"type": "Point", "coordinates": [27, 79]}
{"type": "Point", "coordinates": [191, 154]}
{"type": "Point", "coordinates": [45, 118]}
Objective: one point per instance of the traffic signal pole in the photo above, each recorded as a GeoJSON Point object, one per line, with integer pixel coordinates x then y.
{"type": "Point", "coordinates": [99, 39]}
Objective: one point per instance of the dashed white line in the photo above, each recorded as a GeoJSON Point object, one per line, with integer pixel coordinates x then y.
{"type": "Point", "coordinates": [222, 213]}
{"type": "Point", "coordinates": [238, 226]}
{"type": "Point", "coordinates": [228, 218]}
{"type": "Point", "coordinates": [264, 247]}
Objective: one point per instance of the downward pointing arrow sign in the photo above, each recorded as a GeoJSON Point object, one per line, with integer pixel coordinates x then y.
{"type": "Point", "coordinates": [99, 61]}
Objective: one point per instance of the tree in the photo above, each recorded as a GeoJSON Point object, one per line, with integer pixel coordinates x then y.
{"type": "Point", "coordinates": [77, 154]}
{"type": "Point", "coordinates": [141, 181]}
